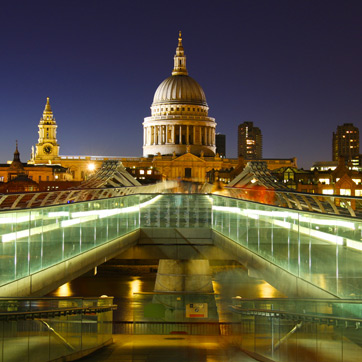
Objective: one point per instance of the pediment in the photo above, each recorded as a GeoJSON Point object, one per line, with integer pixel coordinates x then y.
{"type": "Point", "coordinates": [188, 157]}
{"type": "Point", "coordinates": [345, 181]}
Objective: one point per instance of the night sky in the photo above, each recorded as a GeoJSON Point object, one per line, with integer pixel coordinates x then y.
{"type": "Point", "coordinates": [294, 68]}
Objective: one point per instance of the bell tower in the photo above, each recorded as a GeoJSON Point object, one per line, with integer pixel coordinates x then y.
{"type": "Point", "coordinates": [47, 148]}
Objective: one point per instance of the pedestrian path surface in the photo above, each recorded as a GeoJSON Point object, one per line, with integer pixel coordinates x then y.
{"type": "Point", "coordinates": [150, 348]}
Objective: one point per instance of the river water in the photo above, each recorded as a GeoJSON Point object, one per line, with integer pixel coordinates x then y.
{"type": "Point", "coordinates": [228, 282]}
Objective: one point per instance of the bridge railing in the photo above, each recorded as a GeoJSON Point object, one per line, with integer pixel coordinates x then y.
{"type": "Point", "coordinates": [323, 249]}
{"type": "Point", "coordinates": [300, 330]}
{"type": "Point", "coordinates": [343, 205]}
{"type": "Point", "coordinates": [53, 329]}
{"type": "Point", "coordinates": [28, 200]}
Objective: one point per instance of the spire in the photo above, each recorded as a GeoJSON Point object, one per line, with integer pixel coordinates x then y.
{"type": "Point", "coordinates": [16, 153]}
{"type": "Point", "coordinates": [47, 108]}
{"type": "Point", "coordinates": [48, 113]}
{"type": "Point", "coordinates": [16, 164]}
{"type": "Point", "coordinates": [179, 58]}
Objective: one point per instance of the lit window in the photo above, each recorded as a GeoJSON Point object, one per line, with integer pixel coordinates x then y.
{"type": "Point", "coordinates": [356, 180]}
{"type": "Point", "coordinates": [142, 172]}
{"type": "Point", "coordinates": [149, 172]}
{"type": "Point", "coordinates": [324, 181]}
{"type": "Point", "coordinates": [346, 192]}
{"type": "Point", "coordinates": [358, 192]}
{"type": "Point", "coordinates": [327, 192]}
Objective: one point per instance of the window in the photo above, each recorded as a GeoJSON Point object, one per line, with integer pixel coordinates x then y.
{"type": "Point", "coordinates": [188, 172]}
{"type": "Point", "coordinates": [346, 192]}
{"type": "Point", "coordinates": [142, 172]}
{"type": "Point", "coordinates": [358, 193]}
{"type": "Point", "coordinates": [327, 192]}
{"type": "Point", "coordinates": [149, 172]}
{"type": "Point", "coordinates": [324, 181]}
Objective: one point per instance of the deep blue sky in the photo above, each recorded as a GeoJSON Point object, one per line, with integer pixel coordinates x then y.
{"type": "Point", "coordinates": [294, 68]}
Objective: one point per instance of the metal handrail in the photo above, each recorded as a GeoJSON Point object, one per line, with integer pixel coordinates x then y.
{"type": "Point", "coordinates": [56, 312]}
{"type": "Point", "coordinates": [319, 318]}
{"type": "Point", "coordinates": [15, 201]}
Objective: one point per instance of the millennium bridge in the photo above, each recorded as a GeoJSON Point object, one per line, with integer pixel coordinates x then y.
{"type": "Point", "coordinates": [308, 246]}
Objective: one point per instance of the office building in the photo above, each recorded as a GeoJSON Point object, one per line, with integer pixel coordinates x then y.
{"type": "Point", "coordinates": [250, 141]}
{"type": "Point", "coordinates": [346, 142]}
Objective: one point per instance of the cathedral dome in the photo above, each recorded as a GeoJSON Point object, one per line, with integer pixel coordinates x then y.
{"type": "Point", "coordinates": [181, 89]}
{"type": "Point", "coordinates": [179, 121]}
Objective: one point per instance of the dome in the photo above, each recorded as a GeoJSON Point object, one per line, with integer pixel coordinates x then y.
{"type": "Point", "coordinates": [181, 89]}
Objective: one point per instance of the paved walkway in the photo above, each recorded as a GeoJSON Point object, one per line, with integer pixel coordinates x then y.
{"type": "Point", "coordinates": [151, 348]}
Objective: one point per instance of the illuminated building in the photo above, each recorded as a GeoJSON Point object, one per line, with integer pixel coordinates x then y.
{"type": "Point", "coordinates": [47, 148]}
{"type": "Point", "coordinates": [179, 121]}
{"type": "Point", "coordinates": [179, 140]}
{"type": "Point", "coordinates": [250, 141]}
{"type": "Point", "coordinates": [346, 142]}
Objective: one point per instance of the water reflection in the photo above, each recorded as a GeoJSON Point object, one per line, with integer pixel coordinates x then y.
{"type": "Point", "coordinates": [135, 286]}
{"type": "Point", "coordinates": [227, 283]}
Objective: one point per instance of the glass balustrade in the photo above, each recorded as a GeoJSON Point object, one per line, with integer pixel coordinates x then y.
{"type": "Point", "coordinates": [323, 249]}
{"type": "Point", "coordinates": [51, 329]}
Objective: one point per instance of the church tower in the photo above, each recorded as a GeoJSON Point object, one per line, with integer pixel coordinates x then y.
{"type": "Point", "coordinates": [47, 148]}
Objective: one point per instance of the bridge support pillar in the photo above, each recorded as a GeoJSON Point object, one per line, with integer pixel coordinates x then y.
{"type": "Point", "coordinates": [184, 276]}
{"type": "Point", "coordinates": [184, 289]}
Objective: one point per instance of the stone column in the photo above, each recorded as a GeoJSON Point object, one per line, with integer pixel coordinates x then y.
{"type": "Point", "coordinates": [187, 134]}
{"type": "Point", "coordinates": [180, 135]}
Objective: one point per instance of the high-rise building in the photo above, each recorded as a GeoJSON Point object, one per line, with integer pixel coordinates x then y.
{"type": "Point", "coordinates": [346, 142]}
{"type": "Point", "coordinates": [220, 144]}
{"type": "Point", "coordinates": [250, 141]}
